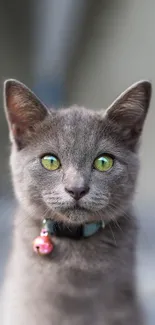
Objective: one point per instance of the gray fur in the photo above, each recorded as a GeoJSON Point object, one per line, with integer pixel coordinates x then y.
{"type": "Point", "coordinates": [91, 281]}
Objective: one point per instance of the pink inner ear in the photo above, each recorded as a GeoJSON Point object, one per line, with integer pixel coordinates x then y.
{"type": "Point", "coordinates": [21, 134]}
{"type": "Point", "coordinates": [17, 111]}
{"type": "Point", "coordinates": [17, 130]}
{"type": "Point", "coordinates": [14, 130]}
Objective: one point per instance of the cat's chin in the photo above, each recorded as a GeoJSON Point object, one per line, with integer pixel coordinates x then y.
{"type": "Point", "coordinates": [78, 215]}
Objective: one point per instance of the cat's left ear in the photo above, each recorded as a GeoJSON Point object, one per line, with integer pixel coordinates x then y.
{"type": "Point", "coordinates": [23, 111]}
{"type": "Point", "coordinates": [128, 112]}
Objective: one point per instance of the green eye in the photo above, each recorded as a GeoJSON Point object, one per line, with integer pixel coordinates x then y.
{"type": "Point", "coordinates": [103, 163]}
{"type": "Point", "coordinates": [50, 162]}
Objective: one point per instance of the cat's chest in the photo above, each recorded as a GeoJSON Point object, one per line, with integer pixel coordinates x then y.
{"type": "Point", "coordinates": [73, 270]}
{"type": "Point", "coordinates": [53, 293]}
{"type": "Point", "coordinates": [77, 285]}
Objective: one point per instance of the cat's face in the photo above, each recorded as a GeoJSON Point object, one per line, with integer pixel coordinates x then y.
{"type": "Point", "coordinates": [75, 163]}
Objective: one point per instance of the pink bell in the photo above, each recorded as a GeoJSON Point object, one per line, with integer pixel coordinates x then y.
{"type": "Point", "coordinates": [43, 245]}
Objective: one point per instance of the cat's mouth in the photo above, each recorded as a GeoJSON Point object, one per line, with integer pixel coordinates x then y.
{"type": "Point", "coordinates": [75, 207]}
{"type": "Point", "coordinates": [76, 210]}
{"type": "Point", "coordinates": [79, 212]}
{"type": "Point", "coordinates": [72, 211]}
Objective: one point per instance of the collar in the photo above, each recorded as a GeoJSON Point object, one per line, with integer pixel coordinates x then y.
{"type": "Point", "coordinates": [43, 244]}
{"type": "Point", "coordinates": [60, 229]}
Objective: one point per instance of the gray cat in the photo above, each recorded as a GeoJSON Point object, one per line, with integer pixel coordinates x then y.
{"type": "Point", "coordinates": [74, 167]}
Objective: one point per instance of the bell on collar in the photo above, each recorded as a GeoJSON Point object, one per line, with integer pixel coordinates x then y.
{"type": "Point", "coordinates": [42, 244]}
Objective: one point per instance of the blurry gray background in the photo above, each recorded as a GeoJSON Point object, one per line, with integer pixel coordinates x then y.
{"type": "Point", "coordinates": [83, 52]}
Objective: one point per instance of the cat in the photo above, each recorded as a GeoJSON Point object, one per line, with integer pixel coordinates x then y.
{"type": "Point", "coordinates": [75, 166]}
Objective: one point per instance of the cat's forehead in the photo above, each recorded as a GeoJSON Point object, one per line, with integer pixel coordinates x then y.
{"type": "Point", "coordinates": [76, 126]}
{"type": "Point", "coordinates": [76, 129]}
{"type": "Point", "coordinates": [76, 120]}
{"type": "Point", "coordinates": [78, 115]}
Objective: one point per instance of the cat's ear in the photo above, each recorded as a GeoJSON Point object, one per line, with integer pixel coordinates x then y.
{"type": "Point", "coordinates": [23, 110]}
{"type": "Point", "coordinates": [128, 112]}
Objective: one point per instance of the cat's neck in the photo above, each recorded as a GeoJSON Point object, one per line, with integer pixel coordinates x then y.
{"type": "Point", "coordinates": [28, 227]}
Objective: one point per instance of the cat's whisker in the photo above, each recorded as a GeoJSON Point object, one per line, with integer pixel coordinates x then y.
{"type": "Point", "coordinates": [114, 219]}
{"type": "Point", "coordinates": [121, 210]}
{"type": "Point", "coordinates": [113, 234]}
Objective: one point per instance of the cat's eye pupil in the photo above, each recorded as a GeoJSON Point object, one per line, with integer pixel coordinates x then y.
{"type": "Point", "coordinates": [103, 161]}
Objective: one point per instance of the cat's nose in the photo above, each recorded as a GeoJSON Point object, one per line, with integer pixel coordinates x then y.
{"type": "Point", "coordinates": [77, 192]}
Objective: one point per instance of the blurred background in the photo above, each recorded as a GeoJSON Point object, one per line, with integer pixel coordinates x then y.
{"type": "Point", "coordinates": [84, 52]}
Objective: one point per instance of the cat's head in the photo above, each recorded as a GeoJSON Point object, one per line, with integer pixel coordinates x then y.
{"type": "Point", "coordinates": [75, 164]}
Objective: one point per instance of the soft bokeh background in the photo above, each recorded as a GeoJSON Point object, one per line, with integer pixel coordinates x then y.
{"type": "Point", "coordinates": [83, 52]}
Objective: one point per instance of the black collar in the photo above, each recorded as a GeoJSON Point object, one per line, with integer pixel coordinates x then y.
{"type": "Point", "coordinates": [61, 229]}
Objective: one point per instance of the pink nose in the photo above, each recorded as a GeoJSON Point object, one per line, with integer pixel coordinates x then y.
{"type": "Point", "coordinates": [43, 245]}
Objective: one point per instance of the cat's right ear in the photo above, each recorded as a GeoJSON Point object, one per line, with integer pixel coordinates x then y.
{"type": "Point", "coordinates": [23, 111]}
{"type": "Point", "coordinates": [128, 112]}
